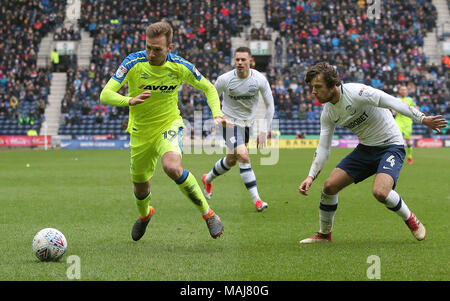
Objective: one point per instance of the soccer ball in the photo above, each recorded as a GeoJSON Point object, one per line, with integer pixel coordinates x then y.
{"type": "Point", "coordinates": [49, 244]}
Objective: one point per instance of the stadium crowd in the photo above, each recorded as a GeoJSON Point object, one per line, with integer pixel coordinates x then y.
{"type": "Point", "coordinates": [202, 35]}
{"type": "Point", "coordinates": [383, 53]}
{"type": "Point", "coordinates": [24, 87]}
{"type": "Point", "coordinates": [67, 34]}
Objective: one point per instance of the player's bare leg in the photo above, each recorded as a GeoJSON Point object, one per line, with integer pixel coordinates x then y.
{"type": "Point", "coordinates": [337, 181]}
{"type": "Point", "coordinates": [142, 189]}
{"type": "Point", "coordinates": [382, 185]}
{"type": "Point", "coordinates": [383, 192]}
{"type": "Point", "coordinates": [171, 162]}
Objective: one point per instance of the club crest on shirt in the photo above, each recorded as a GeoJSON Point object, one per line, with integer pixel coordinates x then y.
{"type": "Point", "coordinates": [361, 91]}
{"type": "Point", "coordinates": [173, 76]}
{"type": "Point", "coordinates": [365, 92]}
{"type": "Point", "coordinates": [252, 89]}
{"type": "Point", "coordinates": [351, 110]}
{"type": "Point", "coordinates": [121, 71]}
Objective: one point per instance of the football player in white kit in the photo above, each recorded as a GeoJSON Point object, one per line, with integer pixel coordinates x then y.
{"type": "Point", "coordinates": [365, 111]}
{"type": "Point", "coordinates": [240, 89]}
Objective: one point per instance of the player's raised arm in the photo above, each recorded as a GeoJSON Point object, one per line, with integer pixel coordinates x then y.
{"type": "Point", "coordinates": [196, 80]}
{"type": "Point", "coordinates": [220, 88]}
{"type": "Point", "coordinates": [211, 96]}
{"type": "Point", "coordinates": [214, 104]}
{"type": "Point", "coordinates": [124, 73]}
{"type": "Point", "coordinates": [433, 122]}
{"type": "Point", "coordinates": [109, 95]}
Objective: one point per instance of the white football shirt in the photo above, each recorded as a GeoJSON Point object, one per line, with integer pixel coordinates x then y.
{"type": "Point", "coordinates": [240, 96]}
{"type": "Point", "coordinates": [358, 110]}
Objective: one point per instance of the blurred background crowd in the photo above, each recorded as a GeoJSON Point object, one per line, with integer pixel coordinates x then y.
{"type": "Point", "coordinates": [384, 53]}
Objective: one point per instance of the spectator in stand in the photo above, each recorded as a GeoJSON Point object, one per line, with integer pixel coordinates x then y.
{"type": "Point", "coordinates": [188, 111]}
{"type": "Point", "coordinates": [100, 108]}
{"type": "Point", "coordinates": [424, 108]}
{"type": "Point", "coordinates": [54, 57]}
{"type": "Point", "coordinates": [99, 117]}
{"type": "Point", "coordinates": [31, 117]}
{"type": "Point", "coordinates": [388, 51]}
{"type": "Point", "coordinates": [446, 61]}
{"type": "Point", "coordinates": [22, 26]}
{"type": "Point", "coordinates": [208, 24]}
{"type": "Point", "coordinates": [302, 114]}
{"type": "Point", "coordinates": [3, 110]}
{"type": "Point", "coordinates": [310, 115]}
{"type": "Point", "coordinates": [32, 132]}
{"type": "Point", "coordinates": [68, 119]}
{"type": "Point", "coordinates": [114, 115]}
{"type": "Point", "coordinates": [77, 119]}
{"type": "Point", "coordinates": [14, 102]}
{"type": "Point", "coordinates": [40, 108]}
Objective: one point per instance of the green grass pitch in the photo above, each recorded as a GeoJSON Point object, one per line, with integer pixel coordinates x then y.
{"type": "Point", "coordinates": [87, 194]}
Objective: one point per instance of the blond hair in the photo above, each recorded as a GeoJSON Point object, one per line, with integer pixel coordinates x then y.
{"type": "Point", "coordinates": [158, 29]}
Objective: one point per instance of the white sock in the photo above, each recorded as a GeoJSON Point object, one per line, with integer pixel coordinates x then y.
{"type": "Point", "coordinates": [395, 203]}
{"type": "Point", "coordinates": [327, 210]}
{"type": "Point", "coordinates": [219, 169]}
{"type": "Point", "coordinates": [249, 178]}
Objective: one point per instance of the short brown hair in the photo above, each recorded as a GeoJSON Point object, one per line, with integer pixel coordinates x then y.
{"type": "Point", "coordinates": [243, 49]}
{"type": "Point", "coordinates": [158, 29]}
{"type": "Point", "coordinates": [329, 73]}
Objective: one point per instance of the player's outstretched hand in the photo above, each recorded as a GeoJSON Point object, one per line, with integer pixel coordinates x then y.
{"type": "Point", "coordinates": [224, 121]}
{"type": "Point", "coordinates": [140, 98]}
{"type": "Point", "coordinates": [435, 122]}
{"type": "Point", "coordinates": [304, 186]}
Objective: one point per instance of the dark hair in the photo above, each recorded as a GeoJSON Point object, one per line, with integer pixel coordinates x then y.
{"type": "Point", "coordinates": [158, 29]}
{"type": "Point", "coordinates": [243, 49]}
{"type": "Point", "coordinates": [329, 73]}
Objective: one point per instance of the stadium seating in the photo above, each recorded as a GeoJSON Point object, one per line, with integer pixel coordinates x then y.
{"type": "Point", "coordinates": [117, 33]}
{"type": "Point", "coordinates": [23, 86]}
{"type": "Point", "coordinates": [388, 53]}
{"type": "Point", "coordinates": [362, 50]}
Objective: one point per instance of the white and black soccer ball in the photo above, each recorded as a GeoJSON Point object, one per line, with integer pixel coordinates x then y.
{"type": "Point", "coordinates": [49, 244]}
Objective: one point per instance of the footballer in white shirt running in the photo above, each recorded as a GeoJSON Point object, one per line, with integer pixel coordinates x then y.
{"type": "Point", "coordinates": [240, 90]}
{"type": "Point", "coordinates": [365, 111]}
